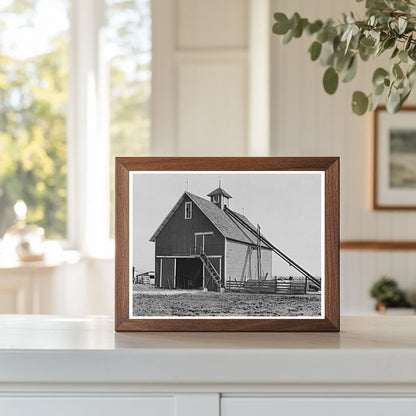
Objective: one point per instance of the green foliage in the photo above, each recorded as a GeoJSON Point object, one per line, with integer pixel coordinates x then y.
{"type": "Point", "coordinates": [359, 103]}
{"type": "Point", "coordinates": [33, 99]}
{"type": "Point", "coordinates": [387, 292]}
{"type": "Point", "coordinates": [315, 50]}
{"type": "Point", "coordinates": [330, 80]}
{"type": "Point", "coordinates": [130, 82]}
{"type": "Point", "coordinates": [389, 26]}
{"type": "Point", "coordinates": [34, 103]}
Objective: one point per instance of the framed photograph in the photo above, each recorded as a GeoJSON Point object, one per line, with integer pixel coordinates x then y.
{"type": "Point", "coordinates": [227, 244]}
{"type": "Point", "coordinates": [395, 159]}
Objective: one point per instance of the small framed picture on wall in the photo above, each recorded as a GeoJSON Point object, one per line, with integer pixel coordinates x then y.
{"type": "Point", "coordinates": [394, 178]}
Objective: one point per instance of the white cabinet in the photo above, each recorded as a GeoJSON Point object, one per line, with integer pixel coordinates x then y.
{"type": "Point", "coordinates": [271, 406]}
{"type": "Point", "coordinates": [88, 406]}
{"type": "Point", "coordinates": [51, 366]}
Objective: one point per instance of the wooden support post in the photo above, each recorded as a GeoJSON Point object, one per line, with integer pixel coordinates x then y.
{"type": "Point", "coordinates": [161, 272]}
{"type": "Point", "coordinates": [174, 273]}
{"type": "Point", "coordinates": [258, 253]}
{"type": "Point", "coordinates": [221, 272]}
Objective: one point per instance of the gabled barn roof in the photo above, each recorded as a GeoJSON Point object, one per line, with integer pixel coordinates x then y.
{"type": "Point", "coordinates": [228, 227]}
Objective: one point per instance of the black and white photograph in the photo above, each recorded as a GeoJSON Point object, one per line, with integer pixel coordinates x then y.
{"type": "Point", "coordinates": [226, 244]}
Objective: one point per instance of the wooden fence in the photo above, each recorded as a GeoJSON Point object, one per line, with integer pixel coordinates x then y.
{"type": "Point", "coordinates": [276, 286]}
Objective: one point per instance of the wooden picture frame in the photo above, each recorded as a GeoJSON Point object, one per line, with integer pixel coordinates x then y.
{"type": "Point", "coordinates": [394, 184]}
{"type": "Point", "coordinates": [132, 171]}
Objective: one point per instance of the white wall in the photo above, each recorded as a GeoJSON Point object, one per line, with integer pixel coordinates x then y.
{"type": "Point", "coordinates": [203, 84]}
{"type": "Point", "coordinates": [308, 122]}
{"type": "Point", "coordinates": [211, 86]}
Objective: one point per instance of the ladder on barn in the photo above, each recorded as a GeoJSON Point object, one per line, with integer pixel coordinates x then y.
{"type": "Point", "coordinates": [268, 244]}
{"type": "Point", "coordinates": [212, 271]}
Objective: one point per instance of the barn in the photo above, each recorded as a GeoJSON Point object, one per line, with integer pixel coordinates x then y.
{"type": "Point", "coordinates": [202, 243]}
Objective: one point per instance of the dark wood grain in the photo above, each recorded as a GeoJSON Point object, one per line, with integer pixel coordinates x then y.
{"type": "Point", "coordinates": [376, 204]}
{"type": "Point", "coordinates": [378, 245]}
{"type": "Point", "coordinates": [121, 245]}
{"type": "Point", "coordinates": [332, 225]}
{"type": "Point", "coordinates": [329, 165]}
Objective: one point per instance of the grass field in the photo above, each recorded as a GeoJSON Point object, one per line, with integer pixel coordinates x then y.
{"type": "Point", "coordinates": [163, 302]}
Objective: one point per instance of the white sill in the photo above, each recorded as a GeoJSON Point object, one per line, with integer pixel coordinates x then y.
{"type": "Point", "coordinates": [58, 254]}
{"type": "Point", "coordinates": [64, 257]}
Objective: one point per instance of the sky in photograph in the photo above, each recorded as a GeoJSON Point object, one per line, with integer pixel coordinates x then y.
{"type": "Point", "coordinates": [286, 205]}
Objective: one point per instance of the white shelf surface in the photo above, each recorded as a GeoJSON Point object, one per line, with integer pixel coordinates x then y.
{"type": "Point", "coordinates": [53, 349]}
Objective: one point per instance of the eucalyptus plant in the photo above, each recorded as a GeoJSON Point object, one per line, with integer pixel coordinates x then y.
{"type": "Point", "coordinates": [389, 27]}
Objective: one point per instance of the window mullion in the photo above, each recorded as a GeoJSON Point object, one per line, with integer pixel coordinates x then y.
{"type": "Point", "coordinates": [88, 134]}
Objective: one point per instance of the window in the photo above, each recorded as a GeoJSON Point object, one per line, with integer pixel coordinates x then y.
{"type": "Point", "coordinates": [59, 134]}
{"type": "Point", "coordinates": [129, 46]}
{"type": "Point", "coordinates": [33, 112]}
{"type": "Point", "coordinates": [216, 199]}
{"type": "Point", "coordinates": [188, 210]}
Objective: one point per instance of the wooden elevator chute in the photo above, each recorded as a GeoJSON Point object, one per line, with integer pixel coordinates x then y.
{"type": "Point", "coordinates": [268, 244]}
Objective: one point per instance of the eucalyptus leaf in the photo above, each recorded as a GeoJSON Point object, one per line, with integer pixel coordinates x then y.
{"type": "Point", "coordinates": [315, 50]}
{"type": "Point", "coordinates": [376, 4]}
{"type": "Point", "coordinates": [404, 96]}
{"type": "Point", "coordinates": [408, 42]}
{"type": "Point", "coordinates": [366, 53]}
{"type": "Point", "coordinates": [378, 89]}
{"type": "Point", "coordinates": [322, 35]}
{"type": "Point", "coordinates": [403, 56]}
{"type": "Point", "coordinates": [314, 27]}
{"type": "Point", "coordinates": [395, 52]}
{"type": "Point", "coordinates": [288, 37]}
{"type": "Point", "coordinates": [339, 44]}
{"type": "Point", "coordinates": [374, 102]}
{"type": "Point", "coordinates": [359, 103]}
{"type": "Point", "coordinates": [379, 75]}
{"type": "Point", "coordinates": [330, 80]}
{"type": "Point", "coordinates": [389, 43]}
{"type": "Point", "coordinates": [281, 27]}
{"type": "Point", "coordinates": [397, 71]}
{"type": "Point", "coordinates": [393, 101]}
{"type": "Point", "coordinates": [327, 54]}
{"type": "Point", "coordinates": [367, 42]}
{"type": "Point", "coordinates": [412, 52]}
{"type": "Point", "coordinates": [294, 20]}
{"type": "Point", "coordinates": [298, 30]}
{"type": "Point", "coordinates": [402, 22]}
{"type": "Point", "coordinates": [350, 73]}
{"type": "Point", "coordinates": [400, 5]}
{"type": "Point", "coordinates": [411, 78]}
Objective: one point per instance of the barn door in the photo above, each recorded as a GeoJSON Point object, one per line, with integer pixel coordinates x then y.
{"type": "Point", "coordinates": [199, 243]}
{"type": "Point", "coordinates": [167, 273]}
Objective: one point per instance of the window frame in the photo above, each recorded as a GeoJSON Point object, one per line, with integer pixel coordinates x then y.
{"type": "Point", "coordinates": [88, 133]}
{"type": "Point", "coordinates": [188, 205]}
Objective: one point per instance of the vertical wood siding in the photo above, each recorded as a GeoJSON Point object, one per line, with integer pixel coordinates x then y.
{"type": "Point", "coordinates": [242, 261]}
{"type": "Point", "coordinates": [177, 236]}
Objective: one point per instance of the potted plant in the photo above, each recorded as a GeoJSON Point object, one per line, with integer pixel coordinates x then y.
{"type": "Point", "coordinates": [387, 294]}
{"type": "Point", "coordinates": [389, 27]}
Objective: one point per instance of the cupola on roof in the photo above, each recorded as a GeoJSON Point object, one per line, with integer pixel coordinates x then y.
{"type": "Point", "coordinates": [220, 191]}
